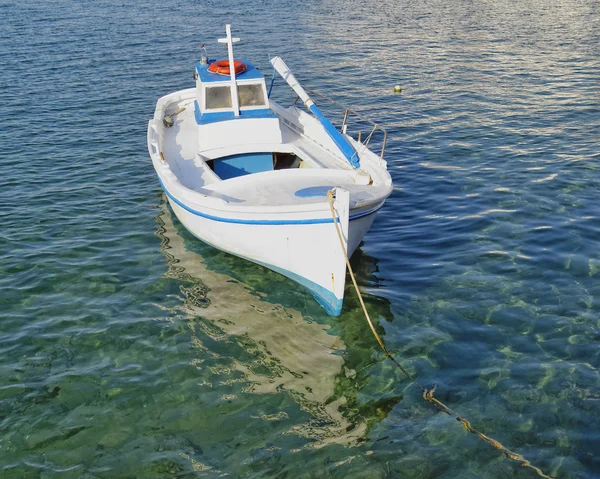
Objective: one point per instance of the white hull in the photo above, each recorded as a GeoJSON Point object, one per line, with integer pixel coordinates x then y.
{"type": "Point", "coordinates": [309, 254]}
{"type": "Point", "coordinates": [280, 219]}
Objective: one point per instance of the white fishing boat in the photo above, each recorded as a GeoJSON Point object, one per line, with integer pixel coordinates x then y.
{"type": "Point", "coordinates": [250, 177]}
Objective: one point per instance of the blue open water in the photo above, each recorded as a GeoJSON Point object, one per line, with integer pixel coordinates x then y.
{"type": "Point", "coordinates": [130, 349]}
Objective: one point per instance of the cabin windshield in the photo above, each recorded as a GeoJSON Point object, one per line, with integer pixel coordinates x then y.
{"type": "Point", "coordinates": [250, 95]}
{"type": "Point", "coordinates": [218, 97]}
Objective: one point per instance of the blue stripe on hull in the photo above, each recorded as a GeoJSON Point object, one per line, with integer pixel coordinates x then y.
{"type": "Point", "coordinates": [311, 221]}
{"type": "Point", "coordinates": [324, 297]}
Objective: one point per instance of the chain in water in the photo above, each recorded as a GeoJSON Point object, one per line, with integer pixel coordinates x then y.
{"type": "Point", "coordinates": [427, 393]}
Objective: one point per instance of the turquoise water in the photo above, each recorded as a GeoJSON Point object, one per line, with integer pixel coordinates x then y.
{"type": "Point", "coordinates": [130, 349]}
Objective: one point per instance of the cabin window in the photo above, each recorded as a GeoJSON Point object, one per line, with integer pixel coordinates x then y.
{"type": "Point", "coordinates": [251, 95]}
{"type": "Point", "coordinates": [218, 97]}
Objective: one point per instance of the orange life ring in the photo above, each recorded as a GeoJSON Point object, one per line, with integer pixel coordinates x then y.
{"type": "Point", "coordinates": [222, 67]}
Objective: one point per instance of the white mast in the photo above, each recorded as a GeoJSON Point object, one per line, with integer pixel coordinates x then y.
{"type": "Point", "coordinates": [235, 104]}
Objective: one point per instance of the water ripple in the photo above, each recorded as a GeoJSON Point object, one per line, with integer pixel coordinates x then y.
{"type": "Point", "coordinates": [128, 348]}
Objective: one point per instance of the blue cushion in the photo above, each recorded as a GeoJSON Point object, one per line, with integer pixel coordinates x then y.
{"type": "Point", "coordinates": [244, 164]}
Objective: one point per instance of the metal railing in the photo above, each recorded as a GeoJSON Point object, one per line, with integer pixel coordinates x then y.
{"type": "Point", "coordinates": [348, 111]}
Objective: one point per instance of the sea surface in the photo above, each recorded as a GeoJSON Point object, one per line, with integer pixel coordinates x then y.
{"type": "Point", "coordinates": [129, 349]}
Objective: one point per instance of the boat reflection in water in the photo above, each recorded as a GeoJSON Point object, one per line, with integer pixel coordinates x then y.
{"type": "Point", "coordinates": [297, 356]}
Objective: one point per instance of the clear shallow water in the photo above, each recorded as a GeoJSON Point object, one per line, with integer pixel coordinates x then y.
{"type": "Point", "coordinates": [130, 349]}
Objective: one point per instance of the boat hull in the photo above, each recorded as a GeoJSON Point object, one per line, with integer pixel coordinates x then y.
{"type": "Point", "coordinates": [280, 219]}
{"type": "Point", "coordinates": [305, 251]}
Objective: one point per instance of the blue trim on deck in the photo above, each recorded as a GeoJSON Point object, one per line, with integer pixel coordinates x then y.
{"type": "Point", "coordinates": [206, 118]}
{"type": "Point", "coordinates": [341, 142]}
{"type": "Point", "coordinates": [313, 191]}
{"type": "Point", "coordinates": [243, 164]}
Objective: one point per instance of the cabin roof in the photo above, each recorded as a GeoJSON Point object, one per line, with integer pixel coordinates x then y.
{"type": "Point", "coordinates": [251, 73]}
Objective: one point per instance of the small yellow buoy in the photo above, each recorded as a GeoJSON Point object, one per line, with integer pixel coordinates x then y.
{"type": "Point", "coordinates": [397, 89]}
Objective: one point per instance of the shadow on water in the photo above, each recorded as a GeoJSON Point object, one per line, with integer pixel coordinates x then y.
{"type": "Point", "coordinates": [246, 333]}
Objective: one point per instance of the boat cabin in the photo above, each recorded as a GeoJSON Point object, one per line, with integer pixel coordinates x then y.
{"type": "Point", "coordinates": [243, 137]}
{"type": "Point", "coordinates": [214, 91]}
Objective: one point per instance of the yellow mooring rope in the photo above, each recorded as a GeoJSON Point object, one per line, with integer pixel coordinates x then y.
{"type": "Point", "coordinates": [427, 393]}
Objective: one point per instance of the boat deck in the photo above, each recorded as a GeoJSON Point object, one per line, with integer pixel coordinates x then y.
{"type": "Point", "coordinates": [278, 187]}
{"type": "Point", "coordinates": [294, 187]}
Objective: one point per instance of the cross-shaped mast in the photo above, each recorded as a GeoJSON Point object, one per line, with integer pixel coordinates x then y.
{"type": "Point", "coordinates": [235, 104]}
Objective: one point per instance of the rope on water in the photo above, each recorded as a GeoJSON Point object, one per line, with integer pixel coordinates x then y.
{"type": "Point", "coordinates": [427, 393]}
